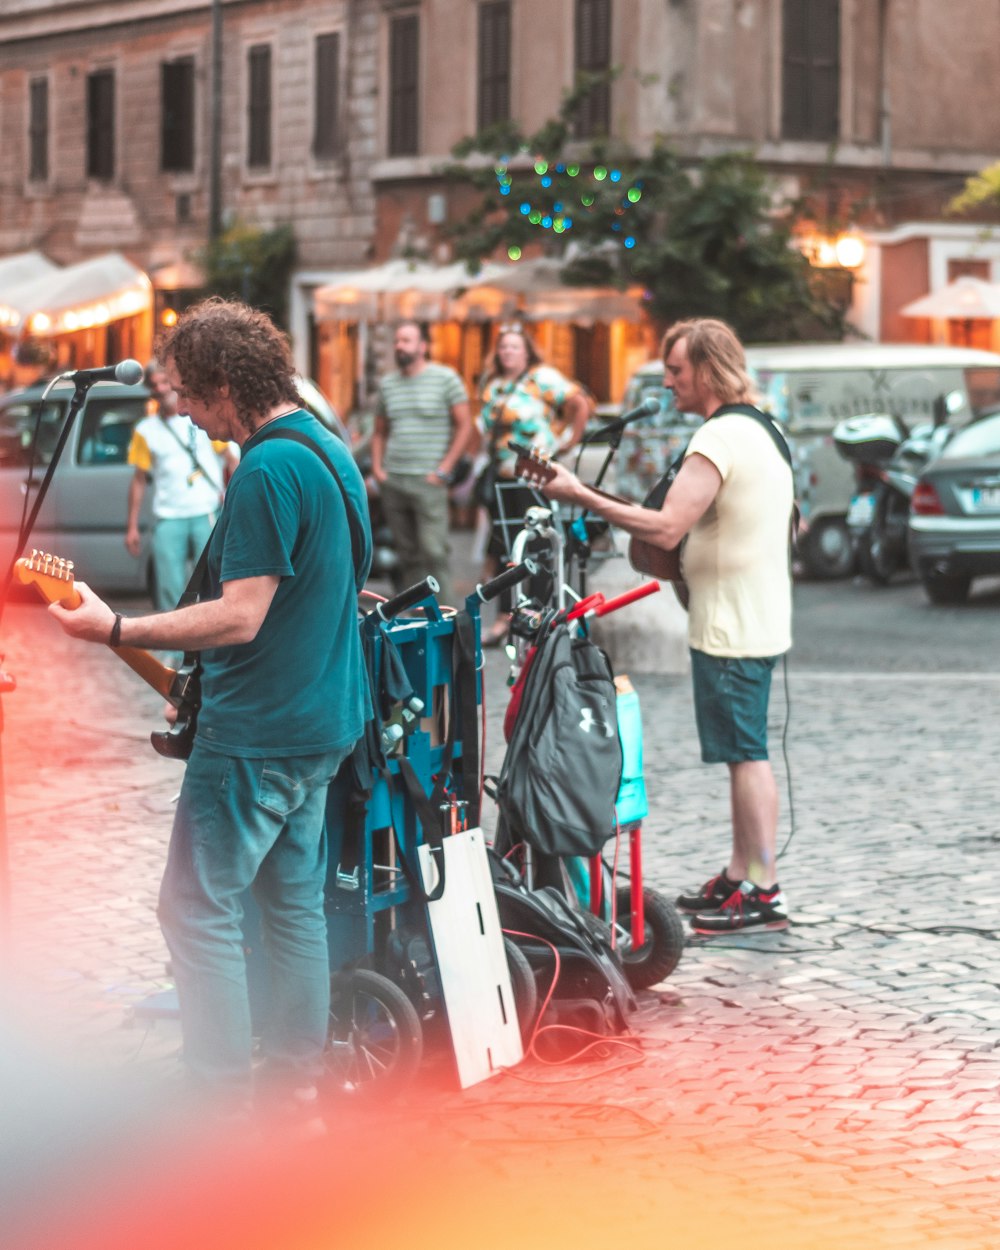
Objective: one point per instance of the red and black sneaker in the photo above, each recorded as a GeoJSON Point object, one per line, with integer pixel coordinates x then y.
{"type": "Point", "coordinates": [710, 897]}
{"type": "Point", "coordinates": [748, 907]}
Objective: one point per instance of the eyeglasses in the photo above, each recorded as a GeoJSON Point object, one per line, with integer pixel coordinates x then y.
{"type": "Point", "coordinates": [512, 327]}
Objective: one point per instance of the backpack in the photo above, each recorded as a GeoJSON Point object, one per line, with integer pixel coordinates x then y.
{"type": "Point", "coordinates": [587, 967]}
{"type": "Point", "coordinates": [563, 767]}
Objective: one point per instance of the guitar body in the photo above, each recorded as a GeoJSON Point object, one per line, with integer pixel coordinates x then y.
{"type": "Point", "coordinates": [53, 579]}
{"type": "Point", "coordinates": [645, 557]}
{"type": "Point", "coordinates": [656, 562]}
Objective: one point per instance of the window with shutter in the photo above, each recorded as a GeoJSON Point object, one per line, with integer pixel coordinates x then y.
{"type": "Point", "coordinates": [259, 107]}
{"type": "Point", "coordinates": [177, 115]}
{"type": "Point", "coordinates": [494, 63]}
{"type": "Point", "coordinates": [810, 105]}
{"type": "Point", "coordinates": [326, 124]}
{"type": "Point", "coordinates": [593, 56]}
{"type": "Point", "coordinates": [101, 124]}
{"type": "Point", "coordinates": [404, 81]}
{"type": "Point", "coordinates": [38, 130]}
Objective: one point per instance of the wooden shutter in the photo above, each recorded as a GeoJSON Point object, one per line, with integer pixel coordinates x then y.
{"type": "Point", "coordinates": [101, 124]}
{"type": "Point", "coordinates": [404, 83]}
{"type": "Point", "coordinates": [38, 130]}
{"type": "Point", "coordinates": [259, 107]}
{"type": "Point", "coordinates": [593, 56]}
{"type": "Point", "coordinates": [494, 63]}
{"type": "Point", "coordinates": [326, 126]}
{"type": "Point", "coordinates": [810, 69]}
{"type": "Point", "coordinates": [177, 115]}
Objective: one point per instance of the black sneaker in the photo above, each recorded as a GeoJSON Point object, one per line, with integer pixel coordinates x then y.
{"type": "Point", "coordinates": [710, 897]}
{"type": "Point", "coordinates": [748, 907]}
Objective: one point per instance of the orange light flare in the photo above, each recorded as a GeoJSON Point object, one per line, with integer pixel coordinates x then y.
{"type": "Point", "coordinates": [505, 1168]}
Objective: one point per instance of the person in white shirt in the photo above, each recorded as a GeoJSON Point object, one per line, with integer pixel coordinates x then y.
{"type": "Point", "coordinates": [732, 503]}
{"type": "Point", "coordinates": [188, 473]}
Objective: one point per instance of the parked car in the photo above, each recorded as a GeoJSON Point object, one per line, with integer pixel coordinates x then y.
{"type": "Point", "coordinates": [83, 514]}
{"type": "Point", "coordinates": [955, 513]}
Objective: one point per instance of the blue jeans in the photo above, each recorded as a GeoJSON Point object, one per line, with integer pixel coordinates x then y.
{"type": "Point", "coordinates": [249, 824]}
{"type": "Point", "coordinates": [175, 546]}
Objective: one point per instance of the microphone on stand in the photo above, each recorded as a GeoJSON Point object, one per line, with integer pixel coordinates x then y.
{"type": "Point", "coordinates": [649, 407]}
{"type": "Point", "coordinates": [127, 372]}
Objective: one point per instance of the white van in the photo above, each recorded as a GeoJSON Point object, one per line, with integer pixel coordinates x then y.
{"type": "Point", "coordinates": [809, 387]}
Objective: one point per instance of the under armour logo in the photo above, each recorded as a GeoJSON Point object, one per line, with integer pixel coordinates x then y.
{"type": "Point", "coordinates": [588, 720]}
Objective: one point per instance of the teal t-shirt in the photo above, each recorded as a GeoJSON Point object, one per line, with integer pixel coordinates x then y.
{"type": "Point", "coordinates": [300, 687]}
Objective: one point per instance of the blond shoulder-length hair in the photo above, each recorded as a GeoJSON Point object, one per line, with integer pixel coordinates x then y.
{"type": "Point", "coordinates": [717, 357]}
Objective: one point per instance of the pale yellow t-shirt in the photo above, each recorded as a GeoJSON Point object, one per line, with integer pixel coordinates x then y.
{"type": "Point", "coordinates": [735, 560]}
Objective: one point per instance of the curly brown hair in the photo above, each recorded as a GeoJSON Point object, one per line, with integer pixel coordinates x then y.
{"type": "Point", "coordinates": [222, 343]}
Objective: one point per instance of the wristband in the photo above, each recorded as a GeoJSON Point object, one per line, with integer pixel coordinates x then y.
{"type": "Point", "coordinates": [116, 631]}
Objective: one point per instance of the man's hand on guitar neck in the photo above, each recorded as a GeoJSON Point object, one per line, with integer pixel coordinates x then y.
{"type": "Point", "coordinates": [555, 481]}
{"type": "Point", "coordinates": [92, 620]}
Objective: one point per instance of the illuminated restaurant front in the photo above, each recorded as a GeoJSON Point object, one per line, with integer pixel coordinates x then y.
{"type": "Point", "coordinates": [55, 318]}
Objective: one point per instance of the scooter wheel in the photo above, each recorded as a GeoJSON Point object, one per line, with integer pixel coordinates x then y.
{"type": "Point", "coordinates": [524, 987]}
{"type": "Point", "coordinates": [663, 938]}
{"type": "Point", "coordinates": [374, 1042]}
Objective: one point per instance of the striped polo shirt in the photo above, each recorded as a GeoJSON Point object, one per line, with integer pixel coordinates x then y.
{"type": "Point", "coordinates": [418, 412]}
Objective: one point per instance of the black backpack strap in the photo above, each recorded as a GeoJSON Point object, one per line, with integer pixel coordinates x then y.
{"type": "Point", "coordinates": [464, 682]}
{"type": "Point", "coordinates": [357, 539]}
{"type": "Point", "coordinates": [431, 820]}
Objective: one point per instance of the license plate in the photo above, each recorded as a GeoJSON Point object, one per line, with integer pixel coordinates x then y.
{"type": "Point", "coordinates": [862, 510]}
{"type": "Point", "coordinates": [986, 498]}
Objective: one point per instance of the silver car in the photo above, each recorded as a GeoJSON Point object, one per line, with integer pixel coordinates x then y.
{"type": "Point", "coordinates": [955, 513]}
{"type": "Point", "coordinates": [83, 515]}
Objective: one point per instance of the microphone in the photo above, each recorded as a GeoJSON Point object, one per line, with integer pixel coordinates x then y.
{"type": "Point", "coordinates": [127, 372]}
{"type": "Point", "coordinates": [649, 407]}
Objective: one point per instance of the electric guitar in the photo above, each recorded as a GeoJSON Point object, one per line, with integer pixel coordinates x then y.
{"type": "Point", "coordinates": [53, 579]}
{"type": "Point", "coordinates": [645, 557]}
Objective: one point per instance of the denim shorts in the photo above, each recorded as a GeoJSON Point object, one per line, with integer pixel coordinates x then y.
{"type": "Point", "coordinates": [731, 695]}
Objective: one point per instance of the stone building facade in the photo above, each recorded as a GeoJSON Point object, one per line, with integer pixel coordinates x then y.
{"type": "Point", "coordinates": [334, 116]}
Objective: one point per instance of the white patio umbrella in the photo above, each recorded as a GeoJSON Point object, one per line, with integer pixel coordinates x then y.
{"type": "Point", "coordinates": [965, 299]}
{"type": "Point", "coordinates": [19, 274]}
{"type": "Point", "coordinates": [534, 289]}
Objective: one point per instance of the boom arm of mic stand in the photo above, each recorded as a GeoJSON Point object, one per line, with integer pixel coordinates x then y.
{"type": "Point", "coordinates": [614, 442]}
{"type": "Point", "coordinates": [76, 403]}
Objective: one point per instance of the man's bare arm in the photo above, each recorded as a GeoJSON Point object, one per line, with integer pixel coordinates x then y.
{"type": "Point", "coordinates": [235, 617]}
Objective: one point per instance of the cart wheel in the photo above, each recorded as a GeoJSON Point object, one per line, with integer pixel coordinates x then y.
{"type": "Point", "coordinates": [522, 982]}
{"type": "Point", "coordinates": [663, 936]}
{"type": "Point", "coordinates": [375, 1042]}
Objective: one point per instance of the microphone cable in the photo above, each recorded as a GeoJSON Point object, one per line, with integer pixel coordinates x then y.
{"type": "Point", "coordinates": [784, 755]}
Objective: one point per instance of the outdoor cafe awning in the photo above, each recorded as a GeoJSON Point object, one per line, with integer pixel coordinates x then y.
{"type": "Point", "coordinates": [78, 297]}
{"type": "Point", "coordinates": [21, 270]}
{"type": "Point", "coordinates": [530, 289]}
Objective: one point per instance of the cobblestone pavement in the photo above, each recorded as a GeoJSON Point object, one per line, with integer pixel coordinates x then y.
{"type": "Point", "coordinates": [836, 1083]}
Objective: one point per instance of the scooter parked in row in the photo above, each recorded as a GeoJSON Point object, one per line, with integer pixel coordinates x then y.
{"type": "Point", "coordinates": [888, 458]}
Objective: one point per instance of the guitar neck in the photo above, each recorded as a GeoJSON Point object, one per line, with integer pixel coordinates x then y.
{"type": "Point", "coordinates": [149, 668]}
{"type": "Point", "coordinates": [52, 579]}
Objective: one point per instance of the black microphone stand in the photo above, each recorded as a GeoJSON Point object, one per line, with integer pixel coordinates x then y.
{"type": "Point", "coordinates": [579, 543]}
{"type": "Point", "coordinates": [7, 682]}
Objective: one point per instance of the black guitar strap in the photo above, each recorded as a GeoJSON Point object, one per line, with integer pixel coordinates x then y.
{"type": "Point", "coordinates": [762, 419]}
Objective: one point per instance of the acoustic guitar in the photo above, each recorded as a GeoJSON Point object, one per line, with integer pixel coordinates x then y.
{"type": "Point", "coordinates": [52, 577]}
{"type": "Point", "coordinates": [645, 557]}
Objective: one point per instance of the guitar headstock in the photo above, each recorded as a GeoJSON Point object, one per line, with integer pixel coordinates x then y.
{"type": "Point", "coordinates": [531, 463]}
{"type": "Point", "coordinates": [51, 576]}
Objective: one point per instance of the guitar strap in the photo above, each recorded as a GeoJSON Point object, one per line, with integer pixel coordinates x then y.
{"type": "Point", "coordinates": [762, 419]}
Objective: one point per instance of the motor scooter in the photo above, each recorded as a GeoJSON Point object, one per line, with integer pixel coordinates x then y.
{"type": "Point", "coordinates": [888, 458]}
